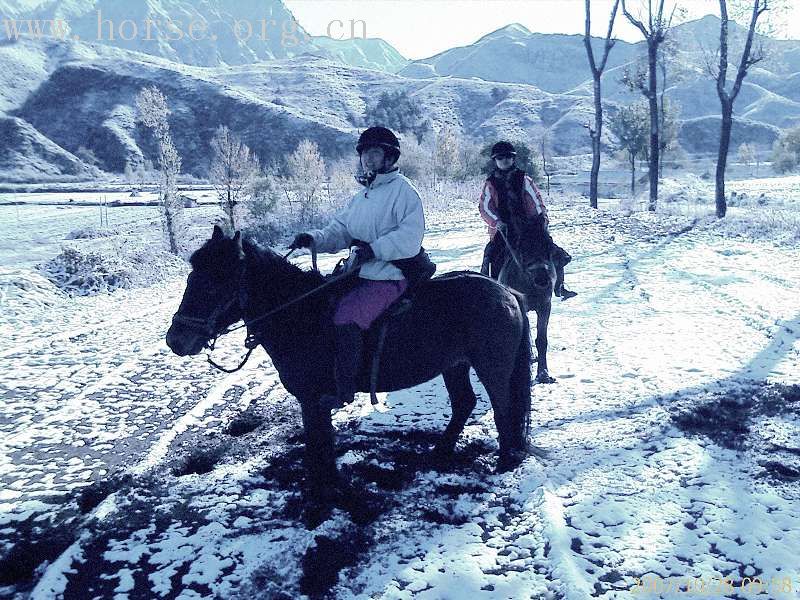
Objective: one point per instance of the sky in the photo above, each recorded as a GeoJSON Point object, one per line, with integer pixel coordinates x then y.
{"type": "Point", "coordinates": [422, 28]}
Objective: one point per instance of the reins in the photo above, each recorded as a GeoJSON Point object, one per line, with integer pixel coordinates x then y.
{"type": "Point", "coordinates": [510, 249]}
{"type": "Point", "coordinates": [251, 341]}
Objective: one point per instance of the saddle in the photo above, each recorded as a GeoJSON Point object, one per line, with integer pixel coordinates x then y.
{"type": "Point", "coordinates": [416, 270]}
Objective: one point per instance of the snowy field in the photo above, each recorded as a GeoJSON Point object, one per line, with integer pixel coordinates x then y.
{"type": "Point", "coordinates": [670, 442]}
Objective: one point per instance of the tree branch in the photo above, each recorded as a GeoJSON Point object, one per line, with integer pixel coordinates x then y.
{"type": "Point", "coordinates": [634, 21]}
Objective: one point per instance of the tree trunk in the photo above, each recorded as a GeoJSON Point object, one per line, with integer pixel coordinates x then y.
{"type": "Point", "coordinates": [652, 97]}
{"type": "Point", "coordinates": [230, 208]}
{"type": "Point", "coordinates": [722, 158]}
{"type": "Point", "coordinates": [633, 176]}
{"type": "Point", "coordinates": [596, 134]}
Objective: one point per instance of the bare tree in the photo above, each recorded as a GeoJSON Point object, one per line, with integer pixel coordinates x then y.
{"type": "Point", "coordinates": [233, 168]}
{"type": "Point", "coordinates": [152, 112]}
{"type": "Point", "coordinates": [750, 57]}
{"type": "Point", "coordinates": [667, 59]}
{"type": "Point", "coordinates": [654, 32]}
{"type": "Point", "coordinates": [597, 72]}
{"type": "Point", "coordinates": [546, 151]}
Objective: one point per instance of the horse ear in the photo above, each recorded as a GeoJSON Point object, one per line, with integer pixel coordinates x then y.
{"type": "Point", "coordinates": [218, 233]}
{"type": "Point", "coordinates": [237, 238]}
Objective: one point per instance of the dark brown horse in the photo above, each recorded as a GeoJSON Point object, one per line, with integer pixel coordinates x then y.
{"type": "Point", "coordinates": [529, 269]}
{"type": "Point", "coordinates": [457, 321]}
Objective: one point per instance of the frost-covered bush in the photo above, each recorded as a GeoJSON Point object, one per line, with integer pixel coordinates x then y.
{"type": "Point", "coordinates": [84, 273]}
{"type": "Point", "coordinates": [786, 151]}
{"type": "Point", "coordinates": [128, 264]}
{"type": "Point", "coordinates": [758, 223]}
{"type": "Point", "coordinates": [89, 233]}
{"type": "Point", "coordinates": [24, 292]}
{"type": "Point", "coordinates": [267, 231]}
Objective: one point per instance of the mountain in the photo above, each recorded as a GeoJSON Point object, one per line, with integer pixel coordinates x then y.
{"type": "Point", "coordinates": [554, 63]}
{"type": "Point", "coordinates": [558, 64]}
{"type": "Point", "coordinates": [369, 53]}
{"type": "Point", "coordinates": [199, 32]}
{"type": "Point", "coordinates": [16, 8]}
{"type": "Point", "coordinates": [58, 98]}
{"type": "Point", "coordinates": [192, 32]}
{"type": "Point", "coordinates": [77, 95]}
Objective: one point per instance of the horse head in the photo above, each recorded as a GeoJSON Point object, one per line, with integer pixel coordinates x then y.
{"type": "Point", "coordinates": [211, 301]}
{"type": "Point", "coordinates": [531, 269]}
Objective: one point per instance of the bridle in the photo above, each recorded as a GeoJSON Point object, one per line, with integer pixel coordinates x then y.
{"type": "Point", "coordinates": [514, 256]}
{"type": "Point", "coordinates": [208, 326]}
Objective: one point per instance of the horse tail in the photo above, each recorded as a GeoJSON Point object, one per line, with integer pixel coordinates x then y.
{"type": "Point", "coordinates": [521, 380]}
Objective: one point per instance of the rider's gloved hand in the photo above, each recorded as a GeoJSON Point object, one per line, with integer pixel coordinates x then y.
{"type": "Point", "coordinates": [302, 240]}
{"type": "Point", "coordinates": [362, 254]}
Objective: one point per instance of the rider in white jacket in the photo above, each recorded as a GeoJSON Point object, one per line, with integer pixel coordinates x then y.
{"type": "Point", "coordinates": [385, 222]}
{"type": "Point", "coordinates": [387, 214]}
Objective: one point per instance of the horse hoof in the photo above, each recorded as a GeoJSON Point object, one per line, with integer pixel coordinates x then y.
{"type": "Point", "coordinates": [509, 461]}
{"type": "Point", "coordinates": [544, 377]}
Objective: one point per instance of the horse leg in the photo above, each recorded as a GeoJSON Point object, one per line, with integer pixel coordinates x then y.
{"type": "Point", "coordinates": [495, 375]}
{"type": "Point", "coordinates": [320, 456]}
{"type": "Point", "coordinates": [462, 401]}
{"type": "Point", "coordinates": [542, 321]}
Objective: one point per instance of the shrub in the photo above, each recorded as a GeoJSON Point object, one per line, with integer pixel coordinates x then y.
{"type": "Point", "coordinates": [786, 151]}
{"type": "Point", "coordinates": [88, 233]}
{"type": "Point", "coordinates": [84, 274]}
{"type": "Point", "coordinates": [399, 112]}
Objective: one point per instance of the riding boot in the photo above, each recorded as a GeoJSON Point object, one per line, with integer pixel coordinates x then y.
{"type": "Point", "coordinates": [558, 288]}
{"type": "Point", "coordinates": [349, 345]}
{"type": "Point", "coordinates": [561, 258]}
{"type": "Point", "coordinates": [487, 259]}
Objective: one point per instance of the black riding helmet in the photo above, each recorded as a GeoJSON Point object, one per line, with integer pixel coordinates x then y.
{"type": "Point", "coordinates": [503, 149]}
{"type": "Point", "coordinates": [382, 137]}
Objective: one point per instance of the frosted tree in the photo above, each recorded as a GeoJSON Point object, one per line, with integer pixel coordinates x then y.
{"type": "Point", "coordinates": [341, 182]}
{"type": "Point", "coordinates": [233, 168]}
{"type": "Point", "coordinates": [597, 68]}
{"type": "Point", "coordinates": [152, 112]}
{"type": "Point", "coordinates": [631, 126]}
{"type": "Point", "coordinates": [305, 175]}
{"type": "Point", "coordinates": [748, 155]}
{"type": "Point", "coordinates": [786, 151]}
{"type": "Point", "coordinates": [446, 154]}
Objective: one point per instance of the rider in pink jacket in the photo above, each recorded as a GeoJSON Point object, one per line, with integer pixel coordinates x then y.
{"type": "Point", "coordinates": [509, 190]}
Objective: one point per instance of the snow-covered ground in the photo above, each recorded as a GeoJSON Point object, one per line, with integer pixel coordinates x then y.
{"type": "Point", "coordinates": [670, 442]}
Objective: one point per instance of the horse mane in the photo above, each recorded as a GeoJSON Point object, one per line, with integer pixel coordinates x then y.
{"type": "Point", "coordinates": [264, 258]}
{"type": "Point", "coordinates": [533, 238]}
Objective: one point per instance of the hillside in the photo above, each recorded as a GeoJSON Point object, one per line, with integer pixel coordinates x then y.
{"type": "Point", "coordinates": [59, 97]}
{"type": "Point", "coordinates": [206, 33]}
{"type": "Point", "coordinates": [84, 96]}
{"type": "Point", "coordinates": [558, 64]}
